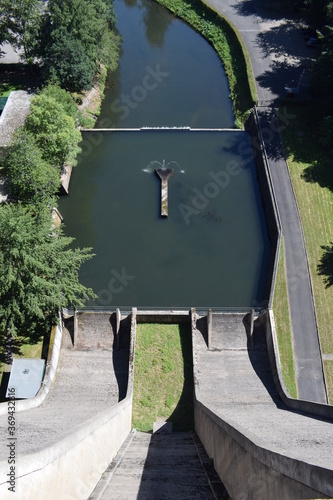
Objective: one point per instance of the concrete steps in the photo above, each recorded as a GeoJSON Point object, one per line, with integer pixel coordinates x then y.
{"type": "Point", "coordinates": [159, 466]}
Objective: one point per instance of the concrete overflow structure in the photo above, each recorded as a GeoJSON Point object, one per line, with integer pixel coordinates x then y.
{"type": "Point", "coordinates": [165, 175]}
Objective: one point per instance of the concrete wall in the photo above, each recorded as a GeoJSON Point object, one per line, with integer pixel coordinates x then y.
{"type": "Point", "coordinates": [247, 470]}
{"type": "Point", "coordinates": [268, 199]}
{"type": "Point", "coordinates": [71, 467]}
{"type": "Point", "coordinates": [319, 409]}
{"type": "Point", "coordinates": [50, 371]}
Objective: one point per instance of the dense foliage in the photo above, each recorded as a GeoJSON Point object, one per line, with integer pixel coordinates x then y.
{"type": "Point", "coordinates": [54, 131]}
{"type": "Point", "coordinates": [38, 270]}
{"type": "Point", "coordinates": [20, 22]}
{"type": "Point", "coordinates": [32, 178]}
{"type": "Point", "coordinates": [43, 146]}
{"type": "Point", "coordinates": [74, 38]}
{"type": "Point", "coordinates": [70, 39]}
{"type": "Point", "coordinates": [38, 267]}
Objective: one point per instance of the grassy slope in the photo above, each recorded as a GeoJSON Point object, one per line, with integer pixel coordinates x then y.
{"type": "Point", "coordinates": [163, 380]}
{"type": "Point", "coordinates": [312, 177]}
{"type": "Point", "coordinates": [283, 327]}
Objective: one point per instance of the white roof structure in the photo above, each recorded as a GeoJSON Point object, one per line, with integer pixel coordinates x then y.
{"type": "Point", "coordinates": [25, 377]}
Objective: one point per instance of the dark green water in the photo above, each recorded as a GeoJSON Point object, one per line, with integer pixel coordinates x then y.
{"type": "Point", "coordinates": [212, 250]}
{"type": "Point", "coordinates": [168, 74]}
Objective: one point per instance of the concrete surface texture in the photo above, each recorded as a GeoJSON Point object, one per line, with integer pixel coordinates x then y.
{"type": "Point", "coordinates": [14, 115]}
{"type": "Point", "coordinates": [90, 378]}
{"type": "Point", "coordinates": [236, 383]}
{"type": "Point", "coordinates": [157, 466]}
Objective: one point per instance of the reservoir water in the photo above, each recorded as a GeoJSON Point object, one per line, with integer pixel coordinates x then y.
{"type": "Point", "coordinates": [212, 250]}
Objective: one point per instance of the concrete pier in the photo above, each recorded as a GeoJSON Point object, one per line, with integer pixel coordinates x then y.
{"type": "Point", "coordinates": [164, 174]}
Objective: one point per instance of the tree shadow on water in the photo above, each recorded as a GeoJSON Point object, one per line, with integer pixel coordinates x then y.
{"type": "Point", "coordinates": [325, 267]}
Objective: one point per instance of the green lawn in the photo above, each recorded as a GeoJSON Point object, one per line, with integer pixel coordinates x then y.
{"type": "Point", "coordinates": [7, 88]}
{"type": "Point", "coordinates": [312, 177]}
{"type": "Point", "coordinates": [283, 327]}
{"type": "Point", "coordinates": [163, 379]}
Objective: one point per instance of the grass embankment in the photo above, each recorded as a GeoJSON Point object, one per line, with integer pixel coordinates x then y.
{"type": "Point", "coordinates": [283, 326]}
{"type": "Point", "coordinates": [163, 378]}
{"type": "Point", "coordinates": [229, 47]}
{"type": "Point", "coordinates": [311, 172]}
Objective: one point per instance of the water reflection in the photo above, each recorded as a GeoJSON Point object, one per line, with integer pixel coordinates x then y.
{"type": "Point", "coordinates": [156, 23]}
{"type": "Point", "coordinates": [168, 75]}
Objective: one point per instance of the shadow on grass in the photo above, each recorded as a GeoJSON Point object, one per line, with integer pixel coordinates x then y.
{"type": "Point", "coordinates": [31, 335]}
{"type": "Point", "coordinates": [325, 268]}
{"type": "Point", "coordinates": [182, 417]}
{"type": "Point", "coordinates": [302, 142]}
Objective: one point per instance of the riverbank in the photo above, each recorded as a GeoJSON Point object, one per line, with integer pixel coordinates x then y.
{"type": "Point", "coordinates": [227, 42]}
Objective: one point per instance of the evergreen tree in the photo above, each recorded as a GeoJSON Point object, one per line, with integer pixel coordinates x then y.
{"type": "Point", "coordinates": [38, 269]}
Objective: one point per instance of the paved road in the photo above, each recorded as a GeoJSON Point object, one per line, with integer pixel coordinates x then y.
{"type": "Point", "coordinates": [8, 55]}
{"type": "Point", "coordinates": [278, 54]}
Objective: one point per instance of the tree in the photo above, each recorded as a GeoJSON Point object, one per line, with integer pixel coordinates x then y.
{"type": "Point", "coordinates": [21, 22]}
{"type": "Point", "coordinates": [54, 131]}
{"type": "Point", "coordinates": [32, 179]}
{"type": "Point", "coordinates": [66, 62]}
{"type": "Point", "coordinates": [65, 99]}
{"type": "Point", "coordinates": [38, 269]}
{"type": "Point", "coordinates": [75, 37]}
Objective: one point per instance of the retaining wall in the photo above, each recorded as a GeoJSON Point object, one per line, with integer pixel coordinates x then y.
{"type": "Point", "coordinates": [318, 409]}
{"type": "Point", "coordinates": [250, 472]}
{"type": "Point", "coordinates": [247, 470]}
{"type": "Point", "coordinates": [71, 467]}
{"type": "Point", "coordinates": [270, 206]}
{"type": "Point", "coordinates": [50, 371]}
